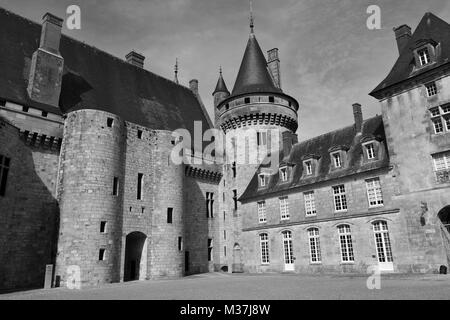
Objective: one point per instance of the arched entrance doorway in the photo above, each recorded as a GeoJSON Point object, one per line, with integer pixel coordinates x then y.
{"type": "Point", "coordinates": [237, 259]}
{"type": "Point", "coordinates": [135, 257]}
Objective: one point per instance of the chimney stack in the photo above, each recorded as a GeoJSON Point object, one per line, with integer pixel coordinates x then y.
{"type": "Point", "coordinates": [45, 78]}
{"type": "Point", "coordinates": [402, 35]}
{"type": "Point", "coordinates": [136, 59]}
{"type": "Point", "coordinates": [193, 85]}
{"type": "Point", "coordinates": [357, 113]}
{"type": "Point", "coordinates": [289, 139]}
{"type": "Point", "coordinates": [273, 63]}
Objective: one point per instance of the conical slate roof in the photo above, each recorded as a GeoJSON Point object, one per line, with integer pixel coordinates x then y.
{"type": "Point", "coordinates": [253, 74]}
{"type": "Point", "coordinates": [221, 86]}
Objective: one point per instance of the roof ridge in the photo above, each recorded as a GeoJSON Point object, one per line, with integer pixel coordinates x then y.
{"type": "Point", "coordinates": [93, 47]}
{"type": "Point", "coordinates": [334, 131]}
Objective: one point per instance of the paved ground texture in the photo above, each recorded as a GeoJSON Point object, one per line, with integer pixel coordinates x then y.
{"type": "Point", "coordinates": [217, 286]}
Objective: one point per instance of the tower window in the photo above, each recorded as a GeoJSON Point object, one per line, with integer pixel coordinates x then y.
{"type": "Point", "coordinates": [25, 109]}
{"type": "Point", "coordinates": [4, 169]}
{"type": "Point", "coordinates": [271, 99]}
{"type": "Point", "coordinates": [103, 226]}
{"type": "Point", "coordinates": [180, 244]}
{"type": "Point", "coordinates": [139, 186]}
{"type": "Point", "coordinates": [261, 138]}
{"type": "Point", "coordinates": [235, 200]}
{"type": "Point", "coordinates": [210, 248]}
{"type": "Point", "coordinates": [110, 122]}
{"type": "Point", "coordinates": [169, 215]}
{"type": "Point", "coordinates": [44, 114]}
{"type": "Point", "coordinates": [210, 205]}
{"type": "Point", "coordinates": [247, 100]}
{"type": "Point", "coordinates": [102, 255]}
{"type": "Point", "coordinates": [139, 134]}
{"type": "Point", "coordinates": [431, 89]}
{"type": "Point", "coordinates": [424, 56]}
{"type": "Point", "coordinates": [233, 168]}
{"type": "Point", "coordinates": [115, 186]}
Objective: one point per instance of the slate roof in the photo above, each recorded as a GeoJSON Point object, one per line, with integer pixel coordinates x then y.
{"type": "Point", "coordinates": [221, 86]}
{"type": "Point", "coordinates": [430, 27]}
{"type": "Point", "coordinates": [320, 146]}
{"type": "Point", "coordinates": [254, 76]}
{"type": "Point", "coordinates": [94, 79]}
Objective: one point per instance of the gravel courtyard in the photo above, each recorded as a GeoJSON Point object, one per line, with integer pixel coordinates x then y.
{"type": "Point", "coordinates": [217, 286]}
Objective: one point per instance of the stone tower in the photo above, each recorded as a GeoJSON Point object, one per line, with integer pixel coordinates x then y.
{"type": "Point", "coordinates": [255, 118]}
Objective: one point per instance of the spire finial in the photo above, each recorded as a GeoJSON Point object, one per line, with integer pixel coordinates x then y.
{"type": "Point", "coordinates": [252, 19]}
{"type": "Point", "coordinates": [220, 70]}
{"type": "Point", "coordinates": [176, 71]}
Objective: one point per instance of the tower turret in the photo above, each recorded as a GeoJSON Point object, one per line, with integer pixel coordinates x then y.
{"type": "Point", "coordinates": [220, 93]}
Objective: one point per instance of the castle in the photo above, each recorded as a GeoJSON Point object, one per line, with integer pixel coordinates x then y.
{"type": "Point", "coordinates": [87, 183]}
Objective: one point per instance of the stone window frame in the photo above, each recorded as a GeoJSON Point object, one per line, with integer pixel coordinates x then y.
{"type": "Point", "coordinates": [263, 182]}
{"type": "Point", "coordinates": [431, 89]}
{"type": "Point", "coordinates": [103, 227]}
{"type": "Point", "coordinates": [340, 198]}
{"type": "Point", "coordinates": [341, 151]}
{"type": "Point", "coordinates": [374, 193]}
{"type": "Point", "coordinates": [346, 244]}
{"type": "Point", "coordinates": [376, 143]}
{"type": "Point", "coordinates": [284, 208]}
{"type": "Point", "coordinates": [337, 159]}
{"type": "Point", "coordinates": [309, 198]}
{"type": "Point", "coordinates": [430, 47]}
{"type": "Point", "coordinates": [102, 255]}
{"type": "Point", "coordinates": [264, 248]}
{"type": "Point", "coordinates": [315, 253]}
{"type": "Point", "coordinates": [262, 211]}
{"type": "Point", "coordinates": [440, 118]}
{"type": "Point", "coordinates": [441, 166]}
{"type": "Point", "coordinates": [313, 160]}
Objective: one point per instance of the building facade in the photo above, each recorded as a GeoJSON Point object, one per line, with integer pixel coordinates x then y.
{"type": "Point", "coordinates": [88, 185]}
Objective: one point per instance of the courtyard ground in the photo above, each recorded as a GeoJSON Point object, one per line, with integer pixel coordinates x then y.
{"type": "Point", "coordinates": [219, 286]}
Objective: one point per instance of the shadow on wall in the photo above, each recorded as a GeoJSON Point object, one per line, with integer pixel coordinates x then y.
{"type": "Point", "coordinates": [29, 213]}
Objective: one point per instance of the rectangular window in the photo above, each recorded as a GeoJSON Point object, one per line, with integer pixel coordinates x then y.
{"type": "Point", "coordinates": [4, 169]}
{"type": "Point", "coordinates": [374, 193]}
{"type": "Point", "coordinates": [209, 205]}
{"type": "Point", "coordinates": [180, 244]}
{"type": "Point", "coordinates": [424, 57]}
{"type": "Point", "coordinates": [210, 248]}
{"type": "Point", "coordinates": [337, 160]}
{"type": "Point", "coordinates": [283, 174]}
{"type": "Point", "coordinates": [233, 168]}
{"type": "Point", "coordinates": [261, 138]}
{"type": "Point", "coordinates": [102, 255]}
{"type": "Point", "coordinates": [345, 239]}
{"type": "Point", "coordinates": [139, 134]}
{"type": "Point", "coordinates": [224, 234]}
{"type": "Point", "coordinates": [103, 226]}
{"type": "Point", "coordinates": [438, 127]}
{"type": "Point", "coordinates": [45, 114]}
{"type": "Point", "coordinates": [431, 89]}
{"type": "Point", "coordinates": [440, 117]}
{"type": "Point", "coordinates": [139, 186]}
{"type": "Point", "coordinates": [314, 245]}
{"type": "Point", "coordinates": [169, 215]}
{"type": "Point", "coordinates": [235, 200]}
{"type": "Point", "coordinates": [264, 243]}
{"type": "Point", "coordinates": [109, 122]}
{"type": "Point", "coordinates": [115, 186]}
{"type": "Point", "coordinates": [262, 212]}
{"type": "Point", "coordinates": [310, 203]}
{"type": "Point", "coordinates": [442, 161]}
{"type": "Point", "coordinates": [263, 180]}
{"type": "Point", "coordinates": [247, 100]}
{"type": "Point", "coordinates": [225, 251]}
{"type": "Point", "coordinates": [370, 149]}
{"type": "Point", "coordinates": [340, 198]}
{"type": "Point", "coordinates": [308, 166]}
{"type": "Point", "coordinates": [284, 208]}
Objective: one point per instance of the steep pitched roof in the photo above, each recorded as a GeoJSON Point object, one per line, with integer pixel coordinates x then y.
{"type": "Point", "coordinates": [94, 79]}
{"type": "Point", "coordinates": [221, 86]}
{"type": "Point", "coordinates": [430, 27]}
{"type": "Point", "coordinates": [253, 74]}
{"type": "Point", "coordinates": [320, 147]}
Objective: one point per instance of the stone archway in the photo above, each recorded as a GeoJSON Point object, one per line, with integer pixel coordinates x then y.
{"type": "Point", "coordinates": [237, 259]}
{"type": "Point", "coordinates": [135, 257]}
{"type": "Point", "coordinates": [444, 216]}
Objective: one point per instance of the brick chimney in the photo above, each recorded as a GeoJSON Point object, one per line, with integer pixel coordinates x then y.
{"type": "Point", "coordinates": [357, 113]}
{"type": "Point", "coordinates": [402, 35]}
{"type": "Point", "coordinates": [136, 59]}
{"type": "Point", "coordinates": [47, 64]}
{"type": "Point", "coordinates": [193, 84]}
{"type": "Point", "coordinates": [289, 139]}
{"type": "Point", "coordinates": [273, 63]}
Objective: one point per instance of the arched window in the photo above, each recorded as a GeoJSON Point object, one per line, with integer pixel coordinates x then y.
{"type": "Point", "coordinates": [444, 216]}
{"type": "Point", "coordinates": [314, 245]}
{"type": "Point", "coordinates": [345, 239]}
{"type": "Point", "coordinates": [288, 250]}
{"type": "Point", "coordinates": [264, 244]}
{"type": "Point", "coordinates": [383, 242]}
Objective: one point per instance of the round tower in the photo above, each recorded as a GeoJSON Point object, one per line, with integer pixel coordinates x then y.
{"type": "Point", "coordinates": [255, 117]}
{"type": "Point", "coordinates": [90, 193]}
{"type": "Point", "coordinates": [220, 94]}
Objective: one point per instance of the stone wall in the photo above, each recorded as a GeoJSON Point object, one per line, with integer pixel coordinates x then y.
{"type": "Point", "coordinates": [28, 212]}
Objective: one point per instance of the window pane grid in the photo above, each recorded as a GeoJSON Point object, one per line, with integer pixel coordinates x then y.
{"type": "Point", "coordinates": [288, 251]}
{"type": "Point", "coordinates": [262, 212]}
{"type": "Point", "coordinates": [346, 243]}
{"type": "Point", "coordinates": [310, 204]}
{"type": "Point", "coordinates": [374, 192]}
{"type": "Point", "coordinates": [440, 117]}
{"type": "Point", "coordinates": [314, 245]}
{"type": "Point", "coordinates": [383, 242]}
{"type": "Point", "coordinates": [264, 242]}
{"type": "Point", "coordinates": [340, 198]}
{"type": "Point", "coordinates": [284, 208]}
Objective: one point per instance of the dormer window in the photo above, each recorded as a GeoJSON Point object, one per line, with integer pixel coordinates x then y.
{"type": "Point", "coordinates": [424, 56]}
{"type": "Point", "coordinates": [370, 149]}
{"type": "Point", "coordinates": [337, 160]}
{"type": "Point", "coordinates": [284, 174]}
{"type": "Point", "coordinates": [308, 167]}
{"type": "Point", "coordinates": [263, 180]}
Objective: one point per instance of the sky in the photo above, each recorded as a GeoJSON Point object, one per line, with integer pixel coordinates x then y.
{"type": "Point", "coordinates": [329, 58]}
